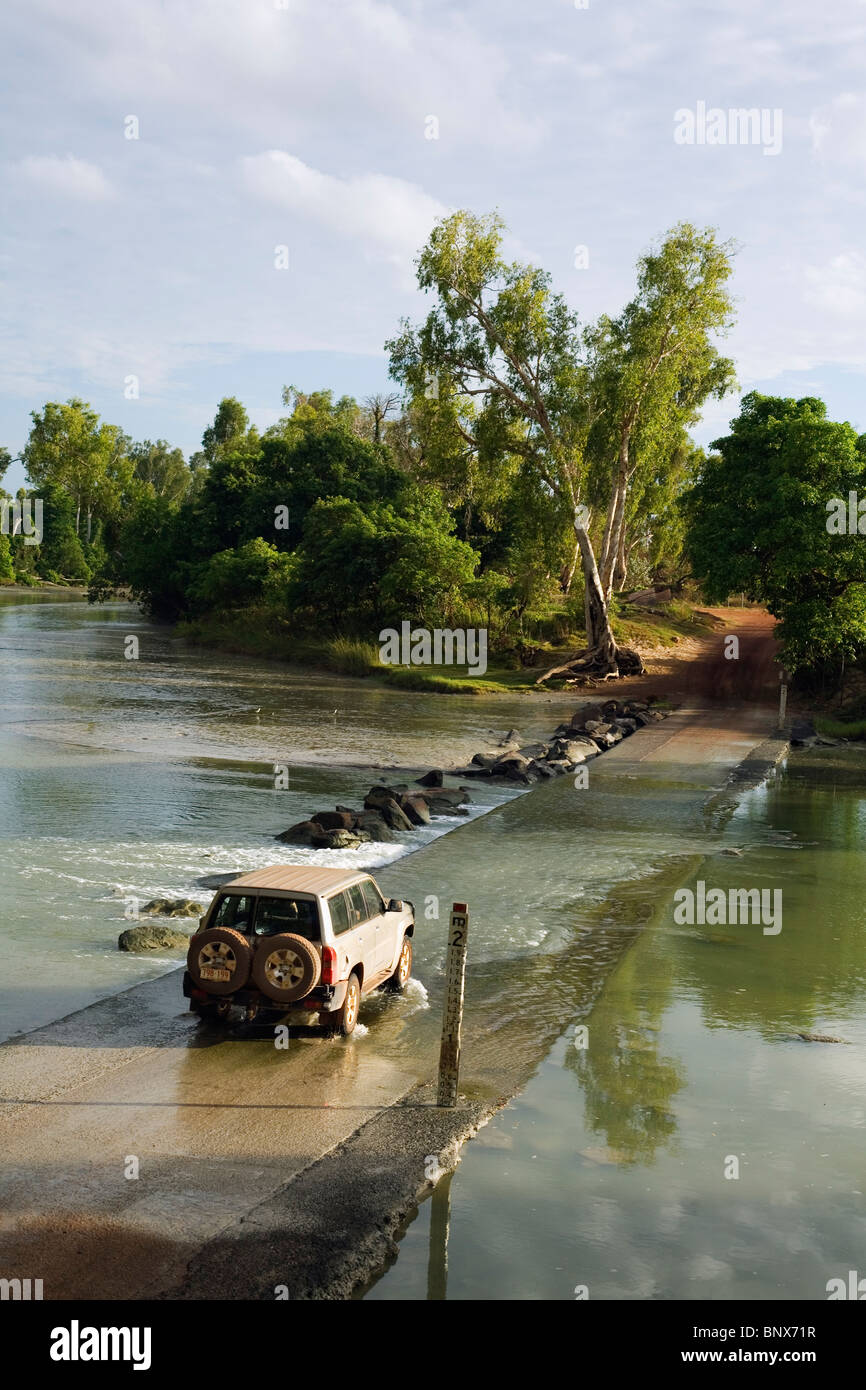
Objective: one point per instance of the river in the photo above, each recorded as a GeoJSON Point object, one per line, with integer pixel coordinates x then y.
{"type": "Point", "coordinates": [610, 1172]}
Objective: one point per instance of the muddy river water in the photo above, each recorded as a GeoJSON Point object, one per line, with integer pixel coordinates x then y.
{"type": "Point", "coordinates": [688, 1143]}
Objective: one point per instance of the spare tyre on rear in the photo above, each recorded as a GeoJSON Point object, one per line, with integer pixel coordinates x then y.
{"type": "Point", "coordinates": [219, 960]}
{"type": "Point", "coordinates": [286, 968]}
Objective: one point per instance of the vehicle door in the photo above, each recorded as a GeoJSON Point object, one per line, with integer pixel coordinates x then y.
{"type": "Point", "coordinates": [361, 939]}
{"type": "Point", "coordinates": [384, 924]}
{"type": "Point", "coordinates": [346, 943]}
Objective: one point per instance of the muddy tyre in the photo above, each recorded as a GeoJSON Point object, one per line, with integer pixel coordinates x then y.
{"type": "Point", "coordinates": [399, 980]}
{"type": "Point", "coordinates": [222, 949]}
{"type": "Point", "coordinates": [286, 968]}
{"type": "Point", "coordinates": [344, 1019]}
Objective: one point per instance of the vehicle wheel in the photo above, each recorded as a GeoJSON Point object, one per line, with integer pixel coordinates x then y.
{"type": "Point", "coordinates": [398, 981]}
{"type": "Point", "coordinates": [344, 1019]}
{"type": "Point", "coordinates": [286, 968]}
{"type": "Point", "coordinates": [223, 949]}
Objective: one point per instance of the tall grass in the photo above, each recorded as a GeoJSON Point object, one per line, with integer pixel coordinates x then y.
{"type": "Point", "coordinates": [349, 657]}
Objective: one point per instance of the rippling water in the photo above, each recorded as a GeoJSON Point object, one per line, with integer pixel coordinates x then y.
{"type": "Point", "coordinates": [131, 779]}
{"type": "Point", "coordinates": [611, 1173]}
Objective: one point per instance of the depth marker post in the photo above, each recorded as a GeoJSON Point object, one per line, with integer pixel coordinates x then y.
{"type": "Point", "coordinates": [783, 697]}
{"type": "Point", "coordinates": [452, 1018]}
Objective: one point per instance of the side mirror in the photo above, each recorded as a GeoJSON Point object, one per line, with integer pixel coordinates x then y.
{"type": "Point", "coordinates": [201, 922]}
{"type": "Point", "coordinates": [395, 905]}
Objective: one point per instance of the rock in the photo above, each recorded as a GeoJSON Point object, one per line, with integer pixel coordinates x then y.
{"type": "Point", "coordinates": [416, 808]}
{"type": "Point", "coordinates": [473, 771]}
{"type": "Point", "coordinates": [576, 750]}
{"type": "Point", "coordinates": [433, 778]}
{"type": "Point", "coordinates": [377, 797]}
{"type": "Point", "coordinates": [371, 824]}
{"type": "Point", "coordinates": [512, 737]}
{"type": "Point", "coordinates": [625, 724]}
{"type": "Point", "coordinates": [335, 820]}
{"type": "Point", "coordinates": [145, 938]}
{"type": "Point", "coordinates": [611, 708]}
{"type": "Point", "coordinates": [456, 796]}
{"type": "Point", "coordinates": [732, 853]}
{"type": "Point", "coordinates": [300, 834]}
{"type": "Point", "coordinates": [542, 768]}
{"type": "Point", "coordinates": [446, 808]}
{"type": "Point", "coordinates": [394, 816]}
{"type": "Point", "coordinates": [512, 760]}
{"type": "Point", "coordinates": [172, 907]}
{"type": "Point", "coordinates": [643, 717]}
{"type": "Point", "coordinates": [534, 750]}
{"type": "Point", "coordinates": [562, 731]}
{"type": "Point", "coordinates": [486, 760]}
{"type": "Point", "coordinates": [338, 839]}
{"type": "Point", "coordinates": [633, 706]}
{"type": "Point", "coordinates": [560, 765]}
{"type": "Point", "coordinates": [596, 726]}
{"type": "Point", "coordinates": [819, 1037]}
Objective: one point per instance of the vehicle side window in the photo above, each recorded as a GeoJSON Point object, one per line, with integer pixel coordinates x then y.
{"type": "Point", "coordinates": [233, 910]}
{"type": "Point", "coordinates": [375, 906]}
{"type": "Point", "coordinates": [340, 918]}
{"type": "Point", "coordinates": [357, 906]}
{"type": "Point", "coordinates": [298, 915]}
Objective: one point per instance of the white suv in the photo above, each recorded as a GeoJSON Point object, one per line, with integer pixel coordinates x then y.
{"type": "Point", "coordinates": [296, 936]}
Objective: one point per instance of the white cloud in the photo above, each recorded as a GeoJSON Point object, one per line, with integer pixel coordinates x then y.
{"type": "Point", "coordinates": [839, 129]}
{"type": "Point", "coordinates": [67, 177]}
{"type": "Point", "coordinates": [839, 286]}
{"type": "Point", "coordinates": [390, 218]}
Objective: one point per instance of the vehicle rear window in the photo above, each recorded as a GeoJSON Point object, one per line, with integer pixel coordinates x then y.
{"type": "Point", "coordinates": [298, 915]}
{"type": "Point", "coordinates": [357, 906]}
{"type": "Point", "coordinates": [373, 897]}
{"type": "Point", "coordinates": [233, 910]}
{"type": "Point", "coordinates": [340, 919]}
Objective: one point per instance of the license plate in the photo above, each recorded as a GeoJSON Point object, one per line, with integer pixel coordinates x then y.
{"type": "Point", "coordinates": [213, 972]}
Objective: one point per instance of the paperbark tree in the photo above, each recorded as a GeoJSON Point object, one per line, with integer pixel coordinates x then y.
{"type": "Point", "coordinates": [500, 337]}
{"type": "Point", "coordinates": [657, 365]}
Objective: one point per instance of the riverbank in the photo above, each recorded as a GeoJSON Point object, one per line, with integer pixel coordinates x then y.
{"type": "Point", "coordinates": [674, 633]}
{"type": "Point", "coordinates": [235, 1138]}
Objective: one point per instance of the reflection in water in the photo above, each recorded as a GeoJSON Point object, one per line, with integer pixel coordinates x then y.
{"type": "Point", "coordinates": [440, 1220]}
{"type": "Point", "coordinates": [693, 1056]}
{"type": "Point", "coordinates": [628, 1087]}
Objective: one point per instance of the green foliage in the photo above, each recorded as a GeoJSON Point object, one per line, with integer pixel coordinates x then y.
{"type": "Point", "coordinates": [61, 551]}
{"type": "Point", "coordinates": [757, 522]}
{"type": "Point", "coordinates": [255, 573]}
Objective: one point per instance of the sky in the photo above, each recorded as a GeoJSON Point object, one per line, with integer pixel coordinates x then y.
{"type": "Point", "coordinates": [204, 198]}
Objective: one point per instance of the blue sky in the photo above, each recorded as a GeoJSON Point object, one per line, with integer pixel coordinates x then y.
{"type": "Point", "coordinates": [304, 124]}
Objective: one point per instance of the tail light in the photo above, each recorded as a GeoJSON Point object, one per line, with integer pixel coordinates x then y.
{"type": "Point", "coordinates": [329, 965]}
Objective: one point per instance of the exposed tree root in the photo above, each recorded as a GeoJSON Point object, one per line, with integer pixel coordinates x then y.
{"type": "Point", "coordinates": [595, 665]}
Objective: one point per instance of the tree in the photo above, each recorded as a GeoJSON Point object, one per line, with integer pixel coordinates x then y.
{"type": "Point", "coordinates": [60, 552]}
{"type": "Point", "coordinates": [161, 468]}
{"type": "Point", "coordinates": [257, 572]}
{"type": "Point", "coordinates": [230, 429]}
{"type": "Point", "coordinates": [379, 407]}
{"type": "Point", "coordinates": [759, 521]}
{"type": "Point", "coordinates": [499, 336]}
{"type": "Point", "coordinates": [68, 446]}
{"type": "Point", "coordinates": [368, 566]}
{"type": "Point", "coordinates": [5, 460]}
{"type": "Point", "coordinates": [655, 366]}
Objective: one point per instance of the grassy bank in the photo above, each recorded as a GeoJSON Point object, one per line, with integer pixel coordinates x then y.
{"type": "Point", "coordinates": [262, 634]}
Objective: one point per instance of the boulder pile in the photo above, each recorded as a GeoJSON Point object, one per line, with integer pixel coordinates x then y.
{"type": "Point", "coordinates": [591, 732]}
{"type": "Point", "coordinates": [387, 812]}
